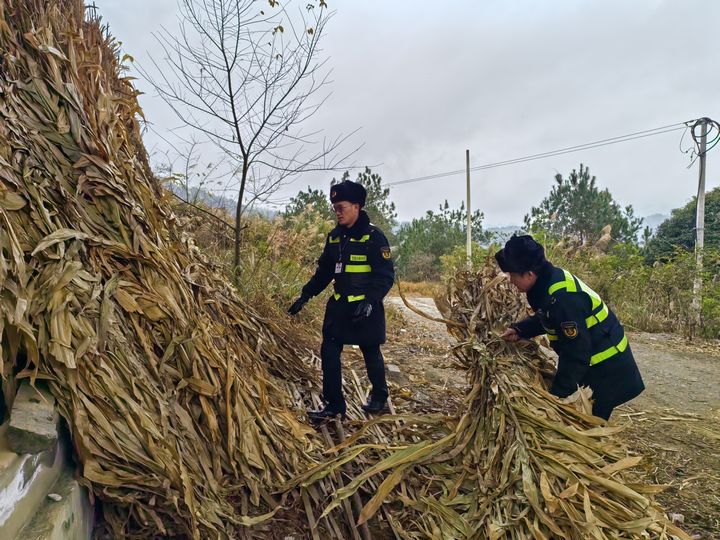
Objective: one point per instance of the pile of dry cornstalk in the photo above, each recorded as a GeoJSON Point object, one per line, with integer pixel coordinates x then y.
{"type": "Point", "coordinates": [160, 370]}
{"type": "Point", "coordinates": [516, 463]}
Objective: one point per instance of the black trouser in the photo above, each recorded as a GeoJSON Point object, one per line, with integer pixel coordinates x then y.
{"type": "Point", "coordinates": [602, 410]}
{"type": "Point", "coordinates": [330, 352]}
{"type": "Point", "coordinates": [614, 381]}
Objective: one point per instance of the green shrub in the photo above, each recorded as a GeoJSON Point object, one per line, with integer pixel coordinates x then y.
{"type": "Point", "coordinates": [279, 256]}
{"type": "Point", "coordinates": [653, 298]}
{"type": "Point", "coordinates": [456, 260]}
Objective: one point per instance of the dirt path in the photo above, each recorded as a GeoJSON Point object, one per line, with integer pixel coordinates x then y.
{"type": "Point", "coordinates": [675, 422]}
{"type": "Point", "coordinates": [429, 380]}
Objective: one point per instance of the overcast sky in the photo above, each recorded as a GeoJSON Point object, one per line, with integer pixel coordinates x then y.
{"type": "Point", "coordinates": [425, 80]}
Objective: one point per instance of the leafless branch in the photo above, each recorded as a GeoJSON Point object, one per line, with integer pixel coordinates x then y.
{"type": "Point", "coordinates": [248, 76]}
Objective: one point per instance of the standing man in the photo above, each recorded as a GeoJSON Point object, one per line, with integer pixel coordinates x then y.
{"type": "Point", "coordinates": [357, 258]}
{"type": "Point", "coordinates": [591, 344]}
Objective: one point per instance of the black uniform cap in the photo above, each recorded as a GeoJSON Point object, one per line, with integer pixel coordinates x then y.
{"type": "Point", "coordinates": [349, 191]}
{"type": "Point", "coordinates": [521, 254]}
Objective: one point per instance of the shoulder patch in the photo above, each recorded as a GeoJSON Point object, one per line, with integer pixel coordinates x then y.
{"type": "Point", "coordinates": [385, 252]}
{"type": "Point", "coordinates": [570, 329]}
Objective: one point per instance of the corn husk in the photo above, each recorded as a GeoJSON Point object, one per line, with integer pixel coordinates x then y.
{"type": "Point", "coordinates": [516, 462]}
{"type": "Point", "coordinates": [161, 372]}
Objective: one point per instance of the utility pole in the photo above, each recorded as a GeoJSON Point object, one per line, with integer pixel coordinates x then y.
{"type": "Point", "coordinates": [468, 248]}
{"type": "Point", "coordinates": [700, 229]}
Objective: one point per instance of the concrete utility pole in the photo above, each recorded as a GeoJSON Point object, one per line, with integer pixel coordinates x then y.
{"type": "Point", "coordinates": [468, 248]}
{"type": "Point", "coordinates": [700, 229]}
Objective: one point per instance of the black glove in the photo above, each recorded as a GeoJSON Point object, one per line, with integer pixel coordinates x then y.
{"type": "Point", "coordinates": [297, 305]}
{"type": "Point", "coordinates": [362, 311]}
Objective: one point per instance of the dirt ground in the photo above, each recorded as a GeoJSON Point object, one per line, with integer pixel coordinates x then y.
{"type": "Point", "coordinates": [675, 422]}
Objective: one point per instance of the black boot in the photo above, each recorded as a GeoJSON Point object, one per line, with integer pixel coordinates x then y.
{"type": "Point", "coordinates": [327, 413]}
{"type": "Point", "coordinates": [374, 406]}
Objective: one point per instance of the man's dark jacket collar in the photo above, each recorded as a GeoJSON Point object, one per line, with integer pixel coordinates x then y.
{"type": "Point", "coordinates": [538, 295]}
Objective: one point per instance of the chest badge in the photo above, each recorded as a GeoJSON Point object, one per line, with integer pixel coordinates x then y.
{"type": "Point", "coordinates": [570, 329]}
{"type": "Point", "coordinates": [385, 252]}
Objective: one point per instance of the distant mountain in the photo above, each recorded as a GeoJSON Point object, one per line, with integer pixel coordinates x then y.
{"type": "Point", "coordinates": [503, 234]}
{"type": "Point", "coordinates": [654, 220]}
{"type": "Point", "coordinates": [226, 203]}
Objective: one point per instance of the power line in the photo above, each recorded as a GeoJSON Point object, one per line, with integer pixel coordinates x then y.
{"type": "Point", "coordinates": [567, 150]}
{"type": "Point", "coordinates": [561, 151]}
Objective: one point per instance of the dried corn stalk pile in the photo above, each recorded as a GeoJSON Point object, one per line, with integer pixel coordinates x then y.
{"type": "Point", "coordinates": [160, 371]}
{"type": "Point", "coordinates": [517, 463]}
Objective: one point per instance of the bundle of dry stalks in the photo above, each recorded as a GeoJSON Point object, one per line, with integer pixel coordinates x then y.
{"type": "Point", "coordinates": [166, 378]}
{"type": "Point", "coordinates": [159, 369]}
{"type": "Point", "coordinates": [516, 463]}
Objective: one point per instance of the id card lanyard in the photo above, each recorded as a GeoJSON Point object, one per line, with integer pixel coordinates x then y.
{"type": "Point", "coordinates": [339, 264]}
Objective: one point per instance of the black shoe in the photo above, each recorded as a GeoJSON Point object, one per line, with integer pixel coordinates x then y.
{"type": "Point", "coordinates": [374, 406]}
{"type": "Point", "coordinates": [326, 414]}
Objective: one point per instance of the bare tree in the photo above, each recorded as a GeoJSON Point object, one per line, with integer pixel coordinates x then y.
{"type": "Point", "coordinates": [247, 74]}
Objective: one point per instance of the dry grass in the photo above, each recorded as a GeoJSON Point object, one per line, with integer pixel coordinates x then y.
{"type": "Point", "coordinates": [681, 451]}
{"type": "Point", "coordinates": [429, 289]}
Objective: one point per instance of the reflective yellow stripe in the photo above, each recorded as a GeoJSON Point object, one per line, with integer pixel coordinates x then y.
{"type": "Point", "coordinates": [358, 268]}
{"type": "Point", "coordinates": [363, 238]}
{"type": "Point", "coordinates": [555, 287]}
{"type": "Point", "coordinates": [350, 298]}
{"type": "Point", "coordinates": [358, 258]}
{"type": "Point", "coordinates": [599, 308]}
{"type": "Point", "coordinates": [609, 353]}
{"type": "Point", "coordinates": [570, 279]}
{"type": "Point", "coordinates": [595, 297]}
{"type": "Point", "coordinates": [598, 317]}
{"type": "Point", "coordinates": [334, 240]}
{"type": "Point", "coordinates": [568, 284]}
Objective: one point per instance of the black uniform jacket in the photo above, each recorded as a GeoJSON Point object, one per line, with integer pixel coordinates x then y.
{"type": "Point", "coordinates": [587, 336]}
{"type": "Point", "coordinates": [358, 260]}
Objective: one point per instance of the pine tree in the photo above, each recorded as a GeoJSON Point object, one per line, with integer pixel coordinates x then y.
{"type": "Point", "coordinates": [577, 207]}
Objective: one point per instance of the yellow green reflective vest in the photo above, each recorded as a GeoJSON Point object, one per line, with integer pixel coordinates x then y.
{"type": "Point", "coordinates": [606, 334]}
{"type": "Point", "coordinates": [357, 261]}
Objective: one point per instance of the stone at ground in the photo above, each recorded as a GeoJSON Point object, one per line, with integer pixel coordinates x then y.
{"type": "Point", "coordinates": [25, 481]}
{"type": "Point", "coordinates": [395, 374]}
{"type": "Point", "coordinates": [71, 516]}
{"type": "Point", "coordinates": [33, 421]}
